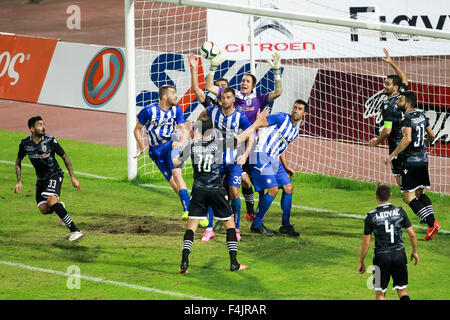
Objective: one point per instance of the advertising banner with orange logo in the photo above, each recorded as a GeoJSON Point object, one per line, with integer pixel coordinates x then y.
{"type": "Point", "coordinates": [24, 62]}
{"type": "Point", "coordinates": [86, 76]}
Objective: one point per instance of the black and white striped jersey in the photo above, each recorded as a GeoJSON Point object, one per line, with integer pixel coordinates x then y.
{"type": "Point", "coordinates": [386, 223]}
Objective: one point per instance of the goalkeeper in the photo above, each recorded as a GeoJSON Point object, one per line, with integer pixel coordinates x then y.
{"type": "Point", "coordinates": [249, 103]}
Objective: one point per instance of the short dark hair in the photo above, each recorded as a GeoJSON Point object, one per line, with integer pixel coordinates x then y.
{"type": "Point", "coordinates": [253, 78]}
{"type": "Point", "coordinates": [206, 124]}
{"type": "Point", "coordinates": [223, 79]}
{"type": "Point", "coordinates": [163, 90]}
{"type": "Point", "coordinates": [410, 97]}
{"type": "Point", "coordinates": [300, 101]}
{"type": "Point", "coordinates": [396, 80]}
{"type": "Point", "coordinates": [383, 192]}
{"type": "Point", "coordinates": [228, 89]}
{"type": "Point", "coordinates": [33, 120]}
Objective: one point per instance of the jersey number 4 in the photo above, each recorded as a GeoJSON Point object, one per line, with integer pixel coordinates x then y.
{"type": "Point", "coordinates": [389, 229]}
{"type": "Point", "coordinates": [204, 163]}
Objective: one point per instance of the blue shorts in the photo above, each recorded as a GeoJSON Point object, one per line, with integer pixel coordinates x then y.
{"type": "Point", "coordinates": [268, 172]}
{"type": "Point", "coordinates": [162, 157]}
{"type": "Point", "coordinates": [233, 174]}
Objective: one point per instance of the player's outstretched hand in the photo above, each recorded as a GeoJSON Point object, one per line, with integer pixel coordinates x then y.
{"type": "Point", "coordinates": [388, 160]}
{"type": "Point", "coordinates": [275, 62]}
{"type": "Point", "coordinates": [177, 145]}
{"type": "Point", "coordinates": [290, 172]}
{"type": "Point", "coordinates": [373, 142]}
{"type": "Point", "coordinates": [140, 152]}
{"type": "Point", "coordinates": [388, 58]}
{"type": "Point", "coordinates": [76, 183]}
{"type": "Point", "coordinates": [264, 114]}
{"type": "Point", "coordinates": [18, 187]}
{"type": "Point", "coordinates": [241, 160]}
{"type": "Point", "coordinates": [193, 60]}
{"type": "Point", "coordinates": [217, 60]}
{"type": "Point", "coordinates": [361, 268]}
{"type": "Point", "coordinates": [415, 256]}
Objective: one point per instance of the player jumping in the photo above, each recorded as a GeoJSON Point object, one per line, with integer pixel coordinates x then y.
{"type": "Point", "coordinates": [160, 120]}
{"type": "Point", "coordinates": [206, 152]}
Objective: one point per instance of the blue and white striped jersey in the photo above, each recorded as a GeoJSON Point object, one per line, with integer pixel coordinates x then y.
{"type": "Point", "coordinates": [229, 126]}
{"type": "Point", "coordinates": [275, 138]}
{"type": "Point", "coordinates": [159, 124]}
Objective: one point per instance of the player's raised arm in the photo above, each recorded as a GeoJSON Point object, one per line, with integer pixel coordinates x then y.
{"type": "Point", "coordinates": [275, 64]}
{"type": "Point", "coordinates": [199, 93]}
{"type": "Point", "coordinates": [396, 68]}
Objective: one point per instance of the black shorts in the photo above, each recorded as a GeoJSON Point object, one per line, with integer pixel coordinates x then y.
{"type": "Point", "coordinates": [217, 199]}
{"type": "Point", "coordinates": [50, 187]}
{"type": "Point", "coordinates": [396, 167]}
{"type": "Point", "coordinates": [414, 177]}
{"type": "Point", "coordinates": [387, 265]}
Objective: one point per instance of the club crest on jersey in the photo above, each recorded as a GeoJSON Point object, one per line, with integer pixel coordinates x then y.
{"type": "Point", "coordinates": [269, 180]}
{"type": "Point", "coordinates": [44, 148]}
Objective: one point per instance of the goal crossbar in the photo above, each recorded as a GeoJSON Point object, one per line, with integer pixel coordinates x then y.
{"type": "Point", "coordinates": [282, 14]}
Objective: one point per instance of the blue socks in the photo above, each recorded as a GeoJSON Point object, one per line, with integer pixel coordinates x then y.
{"type": "Point", "coordinates": [184, 197]}
{"type": "Point", "coordinates": [236, 207]}
{"type": "Point", "coordinates": [286, 205]}
{"type": "Point", "coordinates": [263, 207]}
{"type": "Point", "coordinates": [210, 218]}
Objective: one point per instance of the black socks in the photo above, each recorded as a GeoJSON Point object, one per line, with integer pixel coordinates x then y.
{"type": "Point", "coordinates": [64, 216]}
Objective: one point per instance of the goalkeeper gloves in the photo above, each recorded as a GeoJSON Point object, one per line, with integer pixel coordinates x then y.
{"type": "Point", "coordinates": [215, 62]}
{"type": "Point", "coordinates": [275, 64]}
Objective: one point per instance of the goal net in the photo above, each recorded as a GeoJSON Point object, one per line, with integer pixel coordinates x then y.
{"type": "Point", "coordinates": [339, 70]}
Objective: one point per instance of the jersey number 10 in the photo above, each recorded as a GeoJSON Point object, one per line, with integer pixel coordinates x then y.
{"type": "Point", "coordinates": [205, 164]}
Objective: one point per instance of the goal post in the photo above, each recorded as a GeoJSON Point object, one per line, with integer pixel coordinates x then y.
{"type": "Point", "coordinates": [332, 58]}
{"type": "Point", "coordinates": [131, 88]}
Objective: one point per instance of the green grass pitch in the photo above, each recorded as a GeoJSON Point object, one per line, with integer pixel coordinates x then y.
{"type": "Point", "coordinates": [133, 237]}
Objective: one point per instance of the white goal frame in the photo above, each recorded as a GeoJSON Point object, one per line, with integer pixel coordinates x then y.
{"type": "Point", "coordinates": [251, 11]}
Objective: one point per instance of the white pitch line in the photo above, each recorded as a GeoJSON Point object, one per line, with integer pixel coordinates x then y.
{"type": "Point", "coordinates": [342, 214]}
{"type": "Point", "coordinates": [349, 215]}
{"type": "Point", "coordinates": [76, 172]}
{"type": "Point", "coordinates": [147, 185]}
{"type": "Point", "coordinates": [115, 283]}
